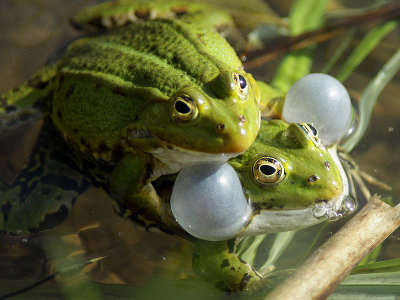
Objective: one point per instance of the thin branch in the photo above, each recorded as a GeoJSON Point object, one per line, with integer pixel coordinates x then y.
{"type": "Point", "coordinates": [257, 58]}
{"type": "Point", "coordinates": [334, 260]}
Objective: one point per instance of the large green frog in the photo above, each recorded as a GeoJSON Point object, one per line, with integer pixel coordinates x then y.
{"type": "Point", "coordinates": [146, 98]}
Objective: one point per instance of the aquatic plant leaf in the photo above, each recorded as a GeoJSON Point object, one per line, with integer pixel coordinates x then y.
{"type": "Point", "coordinates": [304, 16]}
{"type": "Point", "coordinates": [368, 286]}
{"type": "Point", "coordinates": [390, 265]}
{"type": "Point", "coordinates": [371, 257]}
{"type": "Point", "coordinates": [370, 96]}
{"type": "Point", "coordinates": [369, 42]}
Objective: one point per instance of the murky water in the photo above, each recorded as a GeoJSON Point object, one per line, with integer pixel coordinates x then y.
{"type": "Point", "coordinates": [157, 265]}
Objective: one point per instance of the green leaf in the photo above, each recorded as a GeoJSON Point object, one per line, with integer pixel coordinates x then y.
{"type": "Point", "coordinates": [369, 42]}
{"type": "Point", "coordinates": [390, 265]}
{"type": "Point", "coordinates": [370, 96]}
{"type": "Point", "coordinates": [305, 15]}
{"type": "Point", "coordinates": [377, 286]}
{"type": "Point", "coordinates": [371, 257]}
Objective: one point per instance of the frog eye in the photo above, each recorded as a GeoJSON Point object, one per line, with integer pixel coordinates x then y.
{"type": "Point", "coordinates": [241, 85]}
{"type": "Point", "coordinates": [184, 109]}
{"type": "Point", "coordinates": [268, 170]}
{"type": "Point", "coordinates": [311, 132]}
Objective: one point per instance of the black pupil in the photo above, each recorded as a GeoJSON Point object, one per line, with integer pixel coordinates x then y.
{"type": "Point", "coordinates": [314, 131]}
{"type": "Point", "coordinates": [267, 169]}
{"type": "Point", "coordinates": [182, 107]}
{"type": "Point", "coordinates": [242, 82]}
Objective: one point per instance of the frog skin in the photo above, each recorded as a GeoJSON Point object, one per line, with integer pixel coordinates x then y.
{"type": "Point", "coordinates": [144, 99]}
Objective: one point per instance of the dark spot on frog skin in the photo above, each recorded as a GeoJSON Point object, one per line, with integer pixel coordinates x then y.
{"type": "Point", "coordinates": [243, 283]}
{"type": "Point", "coordinates": [103, 148]}
{"type": "Point", "coordinates": [180, 11]}
{"type": "Point", "coordinates": [37, 83]}
{"type": "Point", "coordinates": [175, 59]}
{"type": "Point", "coordinates": [231, 245]}
{"type": "Point", "coordinates": [59, 181]}
{"type": "Point", "coordinates": [242, 261]}
{"type": "Point", "coordinates": [233, 269]}
{"type": "Point", "coordinates": [327, 165]}
{"type": "Point", "coordinates": [52, 219]}
{"type": "Point", "coordinates": [61, 81]}
{"type": "Point", "coordinates": [142, 13]}
{"type": "Point", "coordinates": [25, 115]}
{"type": "Point", "coordinates": [10, 108]}
{"type": "Point", "coordinates": [69, 92]}
{"type": "Point", "coordinates": [242, 118]}
{"type": "Point", "coordinates": [225, 263]}
{"type": "Point", "coordinates": [118, 91]}
{"type": "Point", "coordinates": [260, 206]}
{"type": "Point", "coordinates": [147, 76]}
{"type": "Point", "coordinates": [5, 209]}
{"type": "Point", "coordinates": [117, 152]}
{"type": "Point", "coordinates": [46, 190]}
{"type": "Point", "coordinates": [220, 127]}
{"type": "Point", "coordinates": [84, 143]}
{"type": "Point", "coordinates": [149, 170]}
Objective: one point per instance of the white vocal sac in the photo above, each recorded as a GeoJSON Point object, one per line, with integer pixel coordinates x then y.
{"type": "Point", "coordinates": [323, 101]}
{"type": "Point", "coordinates": [208, 201]}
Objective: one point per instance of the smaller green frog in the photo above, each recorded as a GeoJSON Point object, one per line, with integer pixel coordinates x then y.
{"type": "Point", "coordinates": [287, 176]}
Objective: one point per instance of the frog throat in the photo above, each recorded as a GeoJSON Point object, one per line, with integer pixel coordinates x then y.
{"type": "Point", "coordinates": [172, 159]}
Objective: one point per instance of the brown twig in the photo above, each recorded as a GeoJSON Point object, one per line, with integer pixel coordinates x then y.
{"type": "Point", "coordinates": [334, 260]}
{"type": "Point", "coordinates": [259, 57]}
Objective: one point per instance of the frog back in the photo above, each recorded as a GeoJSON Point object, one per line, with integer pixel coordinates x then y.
{"type": "Point", "coordinates": [107, 82]}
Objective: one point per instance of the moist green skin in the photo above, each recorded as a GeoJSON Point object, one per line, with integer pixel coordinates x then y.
{"type": "Point", "coordinates": [303, 159]}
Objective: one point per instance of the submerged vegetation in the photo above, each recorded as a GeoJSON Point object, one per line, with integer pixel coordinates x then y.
{"type": "Point", "coordinates": [98, 255]}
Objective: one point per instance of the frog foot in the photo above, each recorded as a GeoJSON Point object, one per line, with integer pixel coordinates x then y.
{"type": "Point", "coordinates": [359, 178]}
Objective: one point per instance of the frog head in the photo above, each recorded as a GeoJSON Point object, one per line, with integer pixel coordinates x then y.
{"type": "Point", "coordinates": [285, 174]}
{"type": "Point", "coordinates": [220, 117]}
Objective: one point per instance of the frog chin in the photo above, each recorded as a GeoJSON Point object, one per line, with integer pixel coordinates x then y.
{"type": "Point", "coordinates": [172, 159]}
{"type": "Point", "coordinates": [270, 221]}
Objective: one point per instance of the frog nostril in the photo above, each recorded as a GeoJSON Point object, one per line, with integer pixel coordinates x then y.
{"type": "Point", "coordinates": [220, 127]}
{"type": "Point", "coordinates": [313, 178]}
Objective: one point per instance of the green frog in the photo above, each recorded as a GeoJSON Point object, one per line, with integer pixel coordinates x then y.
{"type": "Point", "coordinates": [287, 176]}
{"type": "Point", "coordinates": [145, 97]}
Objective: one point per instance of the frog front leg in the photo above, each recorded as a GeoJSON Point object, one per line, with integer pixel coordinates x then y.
{"type": "Point", "coordinates": [27, 102]}
{"type": "Point", "coordinates": [218, 263]}
{"type": "Point", "coordinates": [130, 185]}
{"type": "Point", "coordinates": [271, 100]}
